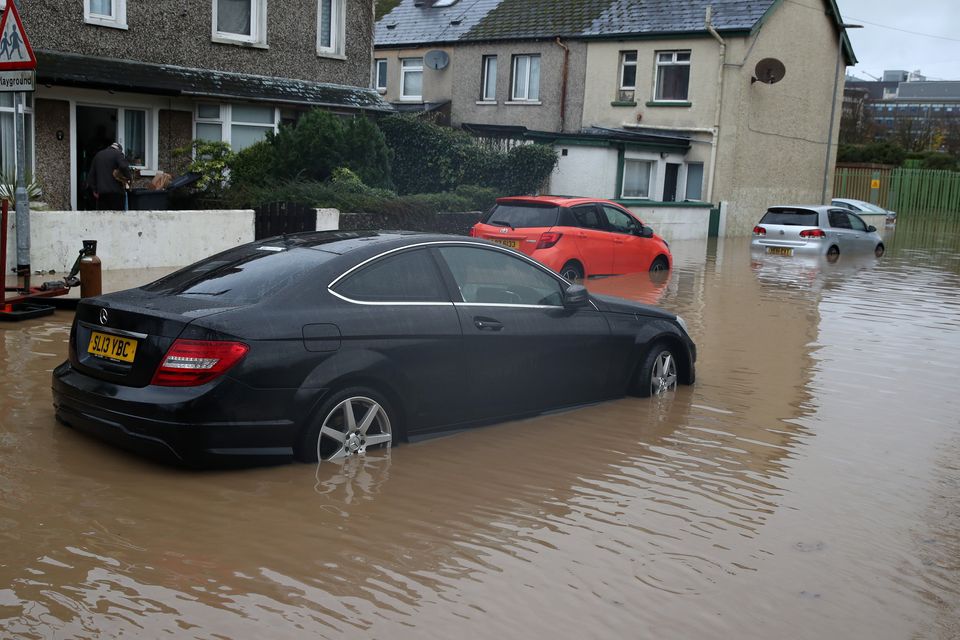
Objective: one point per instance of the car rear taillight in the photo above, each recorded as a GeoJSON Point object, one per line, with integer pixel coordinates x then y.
{"type": "Point", "coordinates": [189, 363]}
{"type": "Point", "coordinates": [813, 233]}
{"type": "Point", "coordinates": [473, 232]}
{"type": "Point", "coordinates": [759, 231]}
{"type": "Point", "coordinates": [548, 239]}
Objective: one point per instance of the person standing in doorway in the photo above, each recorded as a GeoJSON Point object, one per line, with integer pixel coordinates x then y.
{"type": "Point", "coordinates": [108, 190]}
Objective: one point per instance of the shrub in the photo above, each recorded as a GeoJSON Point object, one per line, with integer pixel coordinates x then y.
{"type": "Point", "coordinates": [254, 165]}
{"type": "Point", "coordinates": [210, 159]}
{"type": "Point", "coordinates": [527, 168]}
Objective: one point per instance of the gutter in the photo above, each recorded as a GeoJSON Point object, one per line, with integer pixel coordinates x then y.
{"type": "Point", "coordinates": [563, 82]}
{"type": "Point", "coordinates": [708, 23]}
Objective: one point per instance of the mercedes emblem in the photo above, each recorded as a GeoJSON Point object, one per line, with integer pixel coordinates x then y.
{"type": "Point", "coordinates": [104, 317]}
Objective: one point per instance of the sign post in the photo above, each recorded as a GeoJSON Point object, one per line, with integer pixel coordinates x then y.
{"type": "Point", "coordinates": [17, 73]}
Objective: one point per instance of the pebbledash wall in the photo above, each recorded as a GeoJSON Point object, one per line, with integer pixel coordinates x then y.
{"type": "Point", "coordinates": [148, 239]}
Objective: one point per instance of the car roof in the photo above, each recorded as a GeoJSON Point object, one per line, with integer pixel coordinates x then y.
{"type": "Point", "coordinates": [808, 207]}
{"type": "Point", "coordinates": [557, 201]}
{"type": "Point", "coordinates": [850, 200]}
{"type": "Point", "coordinates": [343, 242]}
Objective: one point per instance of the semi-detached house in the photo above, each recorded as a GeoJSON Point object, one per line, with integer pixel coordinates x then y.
{"type": "Point", "coordinates": [156, 75]}
{"type": "Point", "coordinates": [657, 104]}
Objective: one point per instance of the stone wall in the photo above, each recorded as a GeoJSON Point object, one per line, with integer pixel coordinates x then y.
{"type": "Point", "coordinates": [455, 223]}
{"type": "Point", "coordinates": [51, 117]}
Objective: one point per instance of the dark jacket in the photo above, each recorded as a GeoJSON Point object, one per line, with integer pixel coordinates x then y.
{"type": "Point", "coordinates": [100, 178]}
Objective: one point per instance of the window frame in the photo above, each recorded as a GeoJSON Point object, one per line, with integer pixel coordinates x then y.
{"type": "Point", "coordinates": [258, 26]}
{"type": "Point", "coordinates": [29, 131]}
{"type": "Point", "coordinates": [673, 62]}
{"type": "Point", "coordinates": [117, 19]}
{"type": "Point", "coordinates": [337, 30]}
{"type": "Point", "coordinates": [686, 181]}
{"type": "Point", "coordinates": [527, 75]}
{"type": "Point", "coordinates": [227, 122]}
{"type": "Point", "coordinates": [379, 77]}
{"type": "Point", "coordinates": [651, 176]}
{"type": "Point", "coordinates": [623, 66]}
{"type": "Point", "coordinates": [485, 78]}
{"type": "Point", "coordinates": [404, 71]}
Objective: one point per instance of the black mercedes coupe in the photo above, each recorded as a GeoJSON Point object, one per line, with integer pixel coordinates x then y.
{"type": "Point", "coordinates": [321, 345]}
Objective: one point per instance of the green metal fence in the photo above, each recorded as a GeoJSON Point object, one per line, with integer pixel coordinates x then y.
{"type": "Point", "coordinates": [912, 193]}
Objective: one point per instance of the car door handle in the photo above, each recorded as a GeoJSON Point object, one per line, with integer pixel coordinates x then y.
{"type": "Point", "coordinates": [487, 324]}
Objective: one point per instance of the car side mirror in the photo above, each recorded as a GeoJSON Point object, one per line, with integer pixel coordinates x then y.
{"type": "Point", "coordinates": [575, 296]}
{"type": "Point", "coordinates": [646, 232]}
{"type": "Point", "coordinates": [871, 228]}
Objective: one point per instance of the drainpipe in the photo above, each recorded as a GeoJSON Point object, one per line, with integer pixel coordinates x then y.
{"type": "Point", "coordinates": [708, 23]}
{"type": "Point", "coordinates": [563, 81]}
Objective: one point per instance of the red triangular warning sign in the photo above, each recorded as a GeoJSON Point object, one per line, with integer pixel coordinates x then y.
{"type": "Point", "coordinates": [15, 49]}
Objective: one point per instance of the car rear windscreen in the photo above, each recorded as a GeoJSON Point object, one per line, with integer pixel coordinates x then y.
{"type": "Point", "coordinates": [523, 215]}
{"type": "Point", "coordinates": [790, 217]}
{"type": "Point", "coordinates": [242, 275]}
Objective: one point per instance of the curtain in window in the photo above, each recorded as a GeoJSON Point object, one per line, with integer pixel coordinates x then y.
{"type": "Point", "coordinates": [233, 16]}
{"type": "Point", "coordinates": [636, 179]}
{"type": "Point", "coordinates": [694, 181]}
{"type": "Point", "coordinates": [134, 136]}
{"type": "Point", "coordinates": [520, 77]}
{"type": "Point", "coordinates": [326, 8]}
{"type": "Point", "coordinates": [533, 93]}
{"type": "Point", "coordinates": [672, 82]}
{"type": "Point", "coordinates": [102, 7]}
{"type": "Point", "coordinates": [243, 136]}
{"type": "Point", "coordinates": [209, 131]}
{"type": "Point", "coordinates": [7, 145]}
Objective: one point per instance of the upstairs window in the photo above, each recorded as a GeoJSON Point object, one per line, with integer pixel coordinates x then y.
{"type": "Point", "coordinates": [240, 21]}
{"type": "Point", "coordinates": [526, 78]}
{"type": "Point", "coordinates": [411, 79]}
{"type": "Point", "coordinates": [488, 82]}
{"type": "Point", "coordinates": [628, 70]}
{"type": "Point", "coordinates": [105, 13]}
{"type": "Point", "coordinates": [380, 74]}
{"type": "Point", "coordinates": [673, 76]}
{"type": "Point", "coordinates": [330, 28]}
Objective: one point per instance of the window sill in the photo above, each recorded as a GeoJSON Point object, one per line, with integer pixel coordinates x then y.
{"type": "Point", "coordinates": [488, 102]}
{"type": "Point", "coordinates": [332, 55]}
{"type": "Point", "coordinates": [382, 91]}
{"type": "Point", "coordinates": [112, 24]}
{"type": "Point", "coordinates": [414, 99]}
{"type": "Point", "coordinates": [523, 103]}
{"type": "Point", "coordinates": [623, 103]}
{"type": "Point", "coordinates": [665, 103]}
{"type": "Point", "coordinates": [239, 43]}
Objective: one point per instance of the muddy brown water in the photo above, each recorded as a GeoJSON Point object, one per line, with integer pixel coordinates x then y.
{"type": "Point", "coordinates": [806, 487]}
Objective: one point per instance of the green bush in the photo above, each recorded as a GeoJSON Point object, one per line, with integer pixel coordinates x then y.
{"type": "Point", "coordinates": [253, 165]}
{"type": "Point", "coordinates": [876, 152]}
{"type": "Point", "coordinates": [527, 168]}
{"type": "Point", "coordinates": [210, 159]}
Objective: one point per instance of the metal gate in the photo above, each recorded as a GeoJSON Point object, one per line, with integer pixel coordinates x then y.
{"type": "Point", "coordinates": [279, 218]}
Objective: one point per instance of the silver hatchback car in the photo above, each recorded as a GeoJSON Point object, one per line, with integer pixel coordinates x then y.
{"type": "Point", "coordinates": [814, 230]}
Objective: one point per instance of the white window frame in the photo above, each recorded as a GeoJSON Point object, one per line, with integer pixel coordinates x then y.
{"type": "Point", "coordinates": [337, 30]}
{"type": "Point", "coordinates": [30, 125]}
{"type": "Point", "coordinates": [673, 62]}
{"type": "Point", "coordinates": [116, 20]}
{"type": "Point", "coordinates": [488, 92]}
{"type": "Point", "coordinates": [380, 77]}
{"type": "Point", "coordinates": [651, 178]}
{"type": "Point", "coordinates": [624, 63]}
{"type": "Point", "coordinates": [404, 70]}
{"type": "Point", "coordinates": [258, 26]}
{"type": "Point", "coordinates": [686, 180]}
{"type": "Point", "coordinates": [514, 97]}
{"type": "Point", "coordinates": [226, 121]}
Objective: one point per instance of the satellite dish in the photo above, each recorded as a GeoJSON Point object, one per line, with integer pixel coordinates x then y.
{"type": "Point", "coordinates": [769, 71]}
{"type": "Point", "coordinates": [436, 59]}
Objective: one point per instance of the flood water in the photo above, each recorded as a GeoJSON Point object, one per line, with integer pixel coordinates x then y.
{"type": "Point", "coordinates": [808, 486]}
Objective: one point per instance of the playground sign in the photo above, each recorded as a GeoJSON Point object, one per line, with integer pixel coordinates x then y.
{"type": "Point", "coordinates": [17, 61]}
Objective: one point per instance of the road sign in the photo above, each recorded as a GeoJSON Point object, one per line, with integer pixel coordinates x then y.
{"type": "Point", "coordinates": [21, 80]}
{"type": "Point", "coordinates": [15, 50]}
{"type": "Point", "coordinates": [875, 183]}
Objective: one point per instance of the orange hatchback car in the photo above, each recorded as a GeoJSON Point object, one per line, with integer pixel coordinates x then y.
{"type": "Point", "coordinates": [576, 237]}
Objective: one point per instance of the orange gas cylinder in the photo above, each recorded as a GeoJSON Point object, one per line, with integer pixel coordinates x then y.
{"type": "Point", "coordinates": [90, 277]}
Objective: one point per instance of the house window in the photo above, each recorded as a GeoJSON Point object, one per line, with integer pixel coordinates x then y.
{"type": "Point", "coordinates": [8, 154]}
{"type": "Point", "coordinates": [380, 74]}
{"type": "Point", "coordinates": [694, 189]}
{"type": "Point", "coordinates": [330, 27]}
{"type": "Point", "coordinates": [636, 178]}
{"type": "Point", "coordinates": [134, 139]}
{"type": "Point", "coordinates": [488, 92]}
{"type": "Point", "coordinates": [239, 125]}
{"type": "Point", "coordinates": [105, 13]}
{"type": "Point", "coordinates": [673, 75]}
{"type": "Point", "coordinates": [526, 79]}
{"type": "Point", "coordinates": [240, 21]}
{"type": "Point", "coordinates": [411, 79]}
{"type": "Point", "coordinates": [628, 70]}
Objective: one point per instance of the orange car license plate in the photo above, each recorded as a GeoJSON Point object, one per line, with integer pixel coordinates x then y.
{"type": "Point", "coordinates": [780, 251]}
{"type": "Point", "coordinates": [112, 347]}
{"type": "Point", "coordinates": [513, 244]}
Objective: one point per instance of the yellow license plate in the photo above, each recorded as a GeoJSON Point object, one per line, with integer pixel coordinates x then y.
{"type": "Point", "coordinates": [513, 244]}
{"type": "Point", "coordinates": [780, 251]}
{"type": "Point", "coordinates": [112, 347]}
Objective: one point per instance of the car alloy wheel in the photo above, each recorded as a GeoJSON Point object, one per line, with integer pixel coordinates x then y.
{"type": "Point", "coordinates": [660, 264]}
{"type": "Point", "coordinates": [663, 376]}
{"type": "Point", "coordinates": [353, 425]}
{"type": "Point", "coordinates": [879, 251]}
{"type": "Point", "coordinates": [572, 272]}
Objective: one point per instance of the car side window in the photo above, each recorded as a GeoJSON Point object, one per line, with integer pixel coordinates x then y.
{"type": "Point", "coordinates": [410, 276]}
{"type": "Point", "coordinates": [838, 219]}
{"type": "Point", "coordinates": [587, 217]}
{"type": "Point", "coordinates": [489, 276]}
{"type": "Point", "coordinates": [856, 222]}
{"type": "Point", "coordinates": [619, 221]}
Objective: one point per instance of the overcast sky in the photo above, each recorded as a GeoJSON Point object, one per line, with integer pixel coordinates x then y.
{"type": "Point", "coordinates": [884, 41]}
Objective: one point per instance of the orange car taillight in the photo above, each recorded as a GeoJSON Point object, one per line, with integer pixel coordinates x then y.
{"type": "Point", "coordinates": [473, 232]}
{"type": "Point", "coordinates": [189, 363]}
{"type": "Point", "coordinates": [548, 239]}
{"type": "Point", "coordinates": [813, 233]}
{"type": "Point", "coordinates": [759, 231]}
